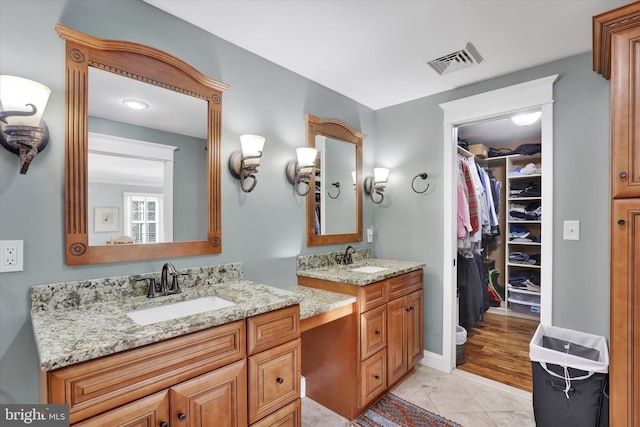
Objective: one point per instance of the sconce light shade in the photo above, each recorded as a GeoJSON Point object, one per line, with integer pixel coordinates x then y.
{"type": "Point", "coordinates": [527, 118]}
{"type": "Point", "coordinates": [375, 184]}
{"type": "Point", "coordinates": [244, 163]}
{"type": "Point", "coordinates": [23, 132]}
{"type": "Point", "coordinates": [301, 170]}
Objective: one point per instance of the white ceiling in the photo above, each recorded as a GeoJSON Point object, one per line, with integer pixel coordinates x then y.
{"type": "Point", "coordinates": [374, 52]}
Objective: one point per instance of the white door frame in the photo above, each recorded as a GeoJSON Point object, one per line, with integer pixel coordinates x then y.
{"type": "Point", "coordinates": [485, 106]}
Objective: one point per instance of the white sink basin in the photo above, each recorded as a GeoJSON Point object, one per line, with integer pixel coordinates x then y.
{"type": "Point", "coordinates": [148, 316]}
{"type": "Point", "coordinates": [369, 269]}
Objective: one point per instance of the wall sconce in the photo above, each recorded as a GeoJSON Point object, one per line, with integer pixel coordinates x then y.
{"type": "Point", "coordinates": [23, 132]}
{"type": "Point", "coordinates": [375, 184]}
{"type": "Point", "coordinates": [301, 170]}
{"type": "Point", "coordinates": [244, 163]}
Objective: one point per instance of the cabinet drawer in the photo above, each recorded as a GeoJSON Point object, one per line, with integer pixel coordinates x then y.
{"type": "Point", "coordinates": [150, 411]}
{"type": "Point", "coordinates": [271, 329]}
{"type": "Point", "coordinates": [289, 416]}
{"type": "Point", "coordinates": [373, 331]}
{"type": "Point", "coordinates": [371, 296]}
{"type": "Point", "coordinates": [373, 377]}
{"type": "Point", "coordinates": [405, 284]}
{"type": "Point", "coordinates": [99, 385]}
{"type": "Point", "coordinates": [274, 379]}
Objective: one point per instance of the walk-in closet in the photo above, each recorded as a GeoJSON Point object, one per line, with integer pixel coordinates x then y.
{"type": "Point", "coordinates": [500, 257]}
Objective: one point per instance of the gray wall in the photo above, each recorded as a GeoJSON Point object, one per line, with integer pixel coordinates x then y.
{"type": "Point", "coordinates": [264, 229]}
{"type": "Point", "coordinates": [410, 141]}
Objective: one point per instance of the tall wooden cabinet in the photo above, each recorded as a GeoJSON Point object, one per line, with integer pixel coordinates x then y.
{"type": "Point", "coordinates": [616, 55]}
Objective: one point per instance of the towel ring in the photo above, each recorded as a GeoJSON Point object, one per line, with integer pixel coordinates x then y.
{"type": "Point", "coordinates": [423, 176]}
{"type": "Point", "coordinates": [337, 185]}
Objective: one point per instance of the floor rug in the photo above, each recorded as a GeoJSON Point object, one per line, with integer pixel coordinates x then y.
{"type": "Point", "coordinates": [391, 411]}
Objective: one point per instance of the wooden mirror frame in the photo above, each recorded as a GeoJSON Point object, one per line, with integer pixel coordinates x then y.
{"type": "Point", "coordinates": [337, 129]}
{"type": "Point", "coordinates": [148, 65]}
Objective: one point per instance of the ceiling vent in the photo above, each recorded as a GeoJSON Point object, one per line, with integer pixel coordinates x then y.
{"type": "Point", "coordinates": [457, 60]}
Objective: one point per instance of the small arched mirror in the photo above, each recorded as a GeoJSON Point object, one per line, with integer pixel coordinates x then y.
{"type": "Point", "coordinates": [332, 216]}
{"type": "Point", "coordinates": [120, 171]}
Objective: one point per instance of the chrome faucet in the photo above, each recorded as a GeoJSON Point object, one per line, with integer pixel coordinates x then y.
{"type": "Point", "coordinates": [346, 258]}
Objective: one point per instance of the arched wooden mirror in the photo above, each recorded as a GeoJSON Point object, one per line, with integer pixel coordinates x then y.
{"type": "Point", "coordinates": [335, 216]}
{"type": "Point", "coordinates": [141, 206]}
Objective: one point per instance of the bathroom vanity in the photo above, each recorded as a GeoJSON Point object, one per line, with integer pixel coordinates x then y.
{"type": "Point", "coordinates": [351, 361]}
{"type": "Point", "coordinates": [117, 357]}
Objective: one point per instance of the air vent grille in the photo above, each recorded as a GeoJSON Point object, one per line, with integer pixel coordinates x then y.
{"type": "Point", "coordinates": [457, 60]}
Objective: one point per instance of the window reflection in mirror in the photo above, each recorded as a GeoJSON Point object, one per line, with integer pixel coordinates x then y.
{"type": "Point", "coordinates": [335, 192]}
{"type": "Point", "coordinates": [145, 152]}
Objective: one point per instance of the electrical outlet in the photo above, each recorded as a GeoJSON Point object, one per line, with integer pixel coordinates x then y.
{"type": "Point", "coordinates": [11, 255]}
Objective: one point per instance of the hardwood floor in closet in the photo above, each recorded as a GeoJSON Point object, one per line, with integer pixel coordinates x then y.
{"type": "Point", "coordinates": [498, 349]}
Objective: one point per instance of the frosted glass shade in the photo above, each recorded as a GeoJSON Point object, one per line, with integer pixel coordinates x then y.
{"type": "Point", "coordinates": [306, 157]}
{"type": "Point", "coordinates": [380, 174]}
{"type": "Point", "coordinates": [16, 93]}
{"type": "Point", "coordinates": [251, 147]}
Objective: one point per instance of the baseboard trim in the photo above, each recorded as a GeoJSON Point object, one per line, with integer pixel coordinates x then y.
{"type": "Point", "coordinates": [435, 361]}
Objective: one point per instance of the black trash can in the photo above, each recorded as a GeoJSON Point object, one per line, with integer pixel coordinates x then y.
{"type": "Point", "coordinates": [570, 375]}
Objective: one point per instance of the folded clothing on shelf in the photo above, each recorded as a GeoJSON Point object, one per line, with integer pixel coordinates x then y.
{"type": "Point", "coordinates": [520, 234]}
{"type": "Point", "coordinates": [525, 189]}
{"type": "Point", "coordinates": [529, 212]}
{"type": "Point", "coordinates": [524, 258]}
{"type": "Point", "coordinates": [529, 169]}
{"type": "Point", "coordinates": [529, 280]}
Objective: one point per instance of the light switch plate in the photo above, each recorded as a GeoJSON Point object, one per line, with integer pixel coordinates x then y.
{"type": "Point", "coordinates": [572, 230]}
{"type": "Point", "coordinates": [11, 255]}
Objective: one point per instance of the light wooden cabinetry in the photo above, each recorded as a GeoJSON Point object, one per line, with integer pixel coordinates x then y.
{"type": "Point", "coordinates": [348, 363]}
{"type": "Point", "coordinates": [200, 379]}
{"type": "Point", "coordinates": [616, 54]}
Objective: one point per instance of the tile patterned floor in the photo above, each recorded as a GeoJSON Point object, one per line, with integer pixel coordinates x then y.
{"type": "Point", "coordinates": [461, 397]}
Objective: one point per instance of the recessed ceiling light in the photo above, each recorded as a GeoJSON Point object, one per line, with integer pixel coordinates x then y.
{"type": "Point", "coordinates": [135, 104]}
{"type": "Point", "coordinates": [527, 118]}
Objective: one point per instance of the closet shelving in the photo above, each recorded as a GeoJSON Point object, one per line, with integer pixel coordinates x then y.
{"type": "Point", "coordinates": [518, 301]}
{"type": "Point", "coordinates": [522, 256]}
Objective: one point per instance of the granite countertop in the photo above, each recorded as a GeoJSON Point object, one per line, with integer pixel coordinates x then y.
{"type": "Point", "coordinates": [66, 335]}
{"type": "Point", "coordinates": [318, 301]}
{"type": "Point", "coordinates": [345, 274]}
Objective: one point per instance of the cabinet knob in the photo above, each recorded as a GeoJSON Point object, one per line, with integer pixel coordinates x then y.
{"type": "Point", "coordinates": [182, 416]}
{"type": "Point", "coordinates": [377, 332]}
{"type": "Point", "coordinates": [621, 221]}
{"type": "Point", "coordinates": [377, 377]}
{"type": "Point", "coordinates": [410, 309]}
{"type": "Point", "coordinates": [280, 380]}
{"type": "Point", "coordinates": [623, 174]}
{"type": "Point", "coordinates": [164, 424]}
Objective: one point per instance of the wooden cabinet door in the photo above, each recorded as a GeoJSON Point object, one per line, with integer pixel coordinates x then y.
{"type": "Point", "coordinates": [415, 327]}
{"type": "Point", "coordinates": [624, 370]}
{"type": "Point", "coordinates": [625, 109]}
{"type": "Point", "coordinates": [274, 379]}
{"type": "Point", "coordinates": [373, 378]}
{"type": "Point", "coordinates": [216, 399]}
{"type": "Point", "coordinates": [149, 411]}
{"type": "Point", "coordinates": [397, 339]}
{"type": "Point", "coordinates": [373, 331]}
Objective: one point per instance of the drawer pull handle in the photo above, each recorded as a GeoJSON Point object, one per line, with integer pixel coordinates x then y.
{"type": "Point", "coordinates": [377, 332]}
{"type": "Point", "coordinates": [182, 416]}
{"type": "Point", "coordinates": [621, 221]}
{"type": "Point", "coordinates": [280, 380]}
{"type": "Point", "coordinates": [623, 174]}
{"type": "Point", "coordinates": [164, 424]}
{"type": "Point", "coordinates": [377, 377]}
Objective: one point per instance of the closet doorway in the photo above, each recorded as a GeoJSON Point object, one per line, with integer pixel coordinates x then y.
{"type": "Point", "coordinates": [472, 113]}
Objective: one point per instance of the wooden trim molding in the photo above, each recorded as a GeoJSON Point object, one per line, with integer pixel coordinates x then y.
{"type": "Point", "coordinates": [604, 26]}
{"type": "Point", "coordinates": [152, 66]}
